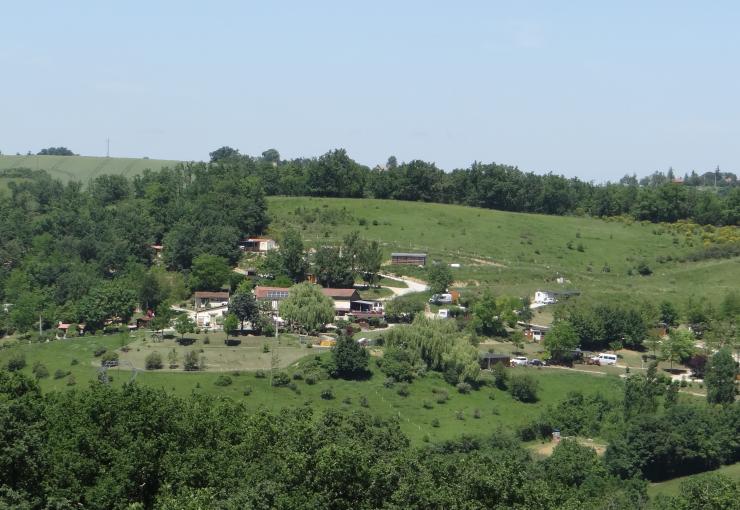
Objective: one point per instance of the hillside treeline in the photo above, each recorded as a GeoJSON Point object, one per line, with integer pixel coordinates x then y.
{"type": "Point", "coordinates": [137, 447]}
{"type": "Point", "coordinates": [86, 253]}
{"type": "Point", "coordinates": [491, 186]}
{"type": "Point", "coordinates": [142, 448]}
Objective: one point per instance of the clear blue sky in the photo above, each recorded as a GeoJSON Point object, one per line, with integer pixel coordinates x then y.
{"type": "Point", "coordinates": [580, 88]}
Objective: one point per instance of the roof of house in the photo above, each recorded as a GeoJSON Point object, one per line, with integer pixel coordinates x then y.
{"type": "Point", "coordinates": [339, 293]}
{"type": "Point", "coordinates": [63, 326]}
{"type": "Point", "coordinates": [261, 292]}
{"type": "Point", "coordinates": [401, 254]}
{"type": "Point", "coordinates": [254, 239]}
{"type": "Point", "coordinates": [211, 295]}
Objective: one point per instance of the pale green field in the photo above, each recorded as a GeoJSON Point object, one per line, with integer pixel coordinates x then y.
{"type": "Point", "coordinates": [83, 168]}
{"type": "Point", "coordinates": [515, 253]}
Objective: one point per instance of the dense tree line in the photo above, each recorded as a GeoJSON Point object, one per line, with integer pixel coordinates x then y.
{"type": "Point", "coordinates": [112, 448]}
{"type": "Point", "coordinates": [494, 186]}
{"type": "Point", "coordinates": [85, 253]}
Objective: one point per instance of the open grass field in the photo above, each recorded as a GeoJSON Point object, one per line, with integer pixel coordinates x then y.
{"type": "Point", "coordinates": [415, 412]}
{"type": "Point", "coordinates": [672, 487]}
{"type": "Point", "coordinates": [83, 168]}
{"type": "Point", "coordinates": [515, 253]}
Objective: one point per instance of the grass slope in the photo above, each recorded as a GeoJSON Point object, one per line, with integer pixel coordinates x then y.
{"type": "Point", "coordinates": [515, 253]}
{"type": "Point", "coordinates": [673, 487]}
{"type": "Point", "coordinates": [83, 168]}
{"type": "Point", "coordinates": [496, 407]}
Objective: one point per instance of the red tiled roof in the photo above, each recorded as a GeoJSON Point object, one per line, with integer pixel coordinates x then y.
{"type": "Point", "coordinates": [212, 295]}
{"type": "Point", "coordinates": [339, 293]}
{"type": "Point", "coordinates": [261, 292]}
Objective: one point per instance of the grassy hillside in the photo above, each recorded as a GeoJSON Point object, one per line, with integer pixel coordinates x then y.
{"type": "Point", "coordinates": [456, 416]}
{"type": "Point", "coordinates": [83, 168]}
{"type": "Point", "coordinates": [673, 487]}
{"type": "Point", "coordinates": [516, 253]}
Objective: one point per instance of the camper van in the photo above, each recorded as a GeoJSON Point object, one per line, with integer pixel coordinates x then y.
{"type": "Point", "coordinates": [604, 359]}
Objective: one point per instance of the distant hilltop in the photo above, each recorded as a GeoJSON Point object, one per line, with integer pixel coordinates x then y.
{"type": "Point", "coordinates": [83, 168]}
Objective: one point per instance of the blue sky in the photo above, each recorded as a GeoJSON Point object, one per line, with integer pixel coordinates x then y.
{"type": "Point", "coordinates": [580, 88]}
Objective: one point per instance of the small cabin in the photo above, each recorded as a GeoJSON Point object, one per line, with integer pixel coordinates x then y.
{"type": "Point", "coordinates": [258, 244]}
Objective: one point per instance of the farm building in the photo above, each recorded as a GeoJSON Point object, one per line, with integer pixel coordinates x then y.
{"type": "Point", "coordinates": [206, 299]}
{"type": "Point", "coordinates": [409, 259]}
{"type": "Point", "coordinates": [258, 244]}
{"type": "Point", "coordinates": [272, 294]}
{"type": "Point", "coordinates": [343, 299]}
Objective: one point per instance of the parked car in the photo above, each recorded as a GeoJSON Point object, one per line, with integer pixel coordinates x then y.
{"type": "Point", "coordinates": [537, 362]}
{"type": "Point", "coordinates": [603, 359]}
{"type": "Point", "coordinates": [441, 299]}
{"type": "Point", "coordinates": [519, 361]}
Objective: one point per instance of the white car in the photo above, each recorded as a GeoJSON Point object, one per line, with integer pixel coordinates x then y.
{"type": "Point", "coordinates": [519, 361]}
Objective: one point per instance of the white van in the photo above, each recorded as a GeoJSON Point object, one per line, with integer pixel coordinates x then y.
{"type": "Point", "coordinates": [605, 359]}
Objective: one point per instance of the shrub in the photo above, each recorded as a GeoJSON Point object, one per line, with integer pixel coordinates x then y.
{"type": "Point", "coordinates": [207, 340]}
{"type": "Point", "coordinates": [280, 379]}
{"type": "Point", "coordinates": [109, 358]}
{"type": "Point", "coordinates": [259, 374]}
{"type": "Point", "coordinates": [327, 394]}
{"type": "Point", "coordinates": [61, 374]}
{"type": "Point", "coordinates": [223, 380]}
{"type": "Point", "coordinates": [364, 402]}
{"type": "Point", "coordinates": [191, 361]}
{"type": "Point", "coordinates": [100, 351]}
{"type": "Point", "coordinates": [460, 415]}
{"type": "Point", "coordinates": [71, 381]}
{"type": "Point", "coordinates": [389, 382]}
{"type": "Point", "coordinates": [153, 361]}
{"type": "Point", "coordinates": [427, 405]}
{"type": "Point", "coordinates": [442, 397]}
{"type": "Point", "coordinates": [435, 423]}
{"type": "Point", "coordinates": [16, 362]}
{"type": "Point", "coordinates": [643, 269]}
{"type": "Point", "coordinates": [396, 363]}
{"type": "Point", "coordinates": [294, 387]}
{"type": "Point", "coordinates": [476, 414]}
{"type": "Point", "coordinates": [297, 376]}
{"type": "Point", "coordinates": [403, 390]}
{"type": "Point", "coordinates": [500, 376]}
{"type": "Point", "coordinates": [347, 400]}
{"type": "Point", "coordinates": [265, 348]}
{"type": "Point", "coordinates": [247, 391]}
{"type": "Point", "coordinates": [74, 362]}
{"type": "Point", "coordinates": [40, 371]}
{"type": "Point", "coordinates": [464, 388]}
{"type": "Point", "coordinates": [310, 379]}
{"type": "Point", "coordinates": [523, 388]}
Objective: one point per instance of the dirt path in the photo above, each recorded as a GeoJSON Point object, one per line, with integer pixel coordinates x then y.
{"type": "Point", "coordinates": [413, 285]}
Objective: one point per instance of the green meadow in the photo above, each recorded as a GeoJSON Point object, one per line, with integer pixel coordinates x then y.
{"type": "Point", "coordinates": [83, 168]}
{"type": "Point", "coordinates": [478, 412]}
{"type": "Point", "coordinates": [516, 253]}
